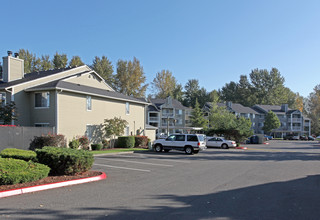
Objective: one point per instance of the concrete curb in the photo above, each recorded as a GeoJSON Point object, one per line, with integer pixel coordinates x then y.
{"type": "Point", "coordinates": [30, 189]}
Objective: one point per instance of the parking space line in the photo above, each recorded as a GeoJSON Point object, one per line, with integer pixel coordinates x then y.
{"type": "Point", "coordinates": [128, 161]}
{"type": "Point", "coordinates": [155, 158]}
{"type": "Point", "coordinates": [125, 168]}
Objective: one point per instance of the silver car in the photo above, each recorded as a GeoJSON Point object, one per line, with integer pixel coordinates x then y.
{"type": "Point", "coordinates": [220, 142]}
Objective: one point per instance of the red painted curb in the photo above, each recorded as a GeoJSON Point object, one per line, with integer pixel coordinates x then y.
{"type": "Point", "coordinates": [23, 190]}
{"type": "Point", "coordinates": [243, 148]}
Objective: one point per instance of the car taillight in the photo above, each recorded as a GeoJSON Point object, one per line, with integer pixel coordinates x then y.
{"type": "Point", "coordinates": [198, 143]}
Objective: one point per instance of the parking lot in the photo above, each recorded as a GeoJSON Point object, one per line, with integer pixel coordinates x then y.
{"type": "Point", "coordinates": [276, 181]}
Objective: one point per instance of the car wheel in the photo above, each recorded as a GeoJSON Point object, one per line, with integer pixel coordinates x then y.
{"type": "Point", "coordinates": [158, 148]}
{"type": "Point", "coordinates": [224, 146]}
{"type": "Point", "coordinates": [188, 150]}
{"type": "Point", "coordinates": [166, 150]}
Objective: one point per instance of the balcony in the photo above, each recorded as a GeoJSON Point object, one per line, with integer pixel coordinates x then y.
{"type": "Point", "coordinates": [154, 119]}
{"type": "Point", "coordinates": [165, 124]}
{"type": "Point", "coordinates": [167, 115]}
{"type": "Point", "coordinates": [293, 120]}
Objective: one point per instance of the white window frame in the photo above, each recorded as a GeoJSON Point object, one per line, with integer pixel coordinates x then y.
{"type": "Point", "coordinates": [127, 108]}
{"type": "Point", "coordinates": [127, 131]}
{"type": "Point", "coordinates": [47, 103]}
{"type": "Point", "coordinates": [89, 103]}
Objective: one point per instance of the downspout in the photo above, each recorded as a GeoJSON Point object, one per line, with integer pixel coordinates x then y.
{"type": "Point", "coordinates": [11, 99]}
{"type": "Point", "coordinates": [57, 111]}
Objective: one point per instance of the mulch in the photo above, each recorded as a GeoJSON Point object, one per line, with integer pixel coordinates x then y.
{"type": "Point", "coordinates": [50, 179]}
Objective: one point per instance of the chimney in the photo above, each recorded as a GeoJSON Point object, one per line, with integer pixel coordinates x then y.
{"type": "Point", "coordinates": [284, 107]}
{"type": "Point", "coordinates": [229, 104]}
{"type": "Point", "coordinates": [12, 67]}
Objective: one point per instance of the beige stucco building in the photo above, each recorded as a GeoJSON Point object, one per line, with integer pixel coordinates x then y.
{"type": "Point", "coordinates": [75, 101]}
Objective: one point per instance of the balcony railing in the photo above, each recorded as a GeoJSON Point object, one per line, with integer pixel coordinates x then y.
{"type": "Point", "coordinates": [153, 118]}
{"type": "Point", "coordinates": [165, 124]}
{"type": "Point", "coordinates": [295, 120]}
{"type": "Point", "coordinates": [167, 115]}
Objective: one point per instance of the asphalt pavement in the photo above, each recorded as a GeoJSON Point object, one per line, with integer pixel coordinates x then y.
{"type": "Point", "coordinates": [280, 180]}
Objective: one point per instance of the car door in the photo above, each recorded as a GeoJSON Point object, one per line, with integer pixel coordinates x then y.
{"type": "Point", "coordinates": [169, 141]}
{"type": "Point", "coordinates": [212, 142]}
{"type": "Point", "coordinates": [180, 141]}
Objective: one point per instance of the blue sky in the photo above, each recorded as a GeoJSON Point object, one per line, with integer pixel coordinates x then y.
{"type": "Point", "coordinates": [209, 40]}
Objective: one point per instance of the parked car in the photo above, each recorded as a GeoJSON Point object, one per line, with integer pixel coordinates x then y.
{"type": "Point", "coordinates": [220, 142]}
{"type": "Point", "coordinates": [303, 138]}
{"type": "Point", "coordinates": [291, 137]}
{"type": "Point", "coordinates": [268, 137]}
{"type": "Point", "coordinates": [190, 143]}
{"type": "Point", "coordinates": [310, 138]}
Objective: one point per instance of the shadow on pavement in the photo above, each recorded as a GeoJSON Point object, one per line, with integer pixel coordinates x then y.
{"type": "Point", "coordinates": [294, 199]}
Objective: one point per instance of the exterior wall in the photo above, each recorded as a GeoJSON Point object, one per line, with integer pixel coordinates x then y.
{"type": "Point", "coordinates": [151, 133]}
{"type": "Point", "coordinates": [15, 67]}
{"type": "Point", "coordinates": [89, 79]}
{"type": "Point", "coordinates": [73, 116]}
{"type": "Point", "coordinates": [42, 115]}
{"type": "Point", "coordinates": [22, 99]}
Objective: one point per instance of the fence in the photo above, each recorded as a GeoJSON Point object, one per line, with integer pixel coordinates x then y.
{"type": "Point", "coordinates": [21, 137]}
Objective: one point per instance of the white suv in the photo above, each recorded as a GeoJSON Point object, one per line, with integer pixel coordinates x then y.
{"type": "Point", "coordinates": [190, 143]}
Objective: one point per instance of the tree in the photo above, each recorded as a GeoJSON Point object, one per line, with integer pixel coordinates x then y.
{"type": "Point", "coordinates": [178, 93]}
{"type": "Point", "coordinates": [8, 113]}
{"type": "Point", "coordinates": [214, 96]}
{"type": "Point", "coordinates": [313, 109]}
{"type": "Point", "coordinates": [164, 84]}
{"type": "Point", "coordinates": [45, 63]}
{"type": "Point", "coordinates": [271, 122]}
{"type": "Point", "coordinates": [298, 103]}
{"type": "Point", "coordinates": [114, 127]}
{"type": "Point", "coordinates": [197, 119]}
{"type": "Point", "coordinates": [104, 68]}
{"type": "Point", "coordinates": [75, 61]}
{"type": "Point", "coordinates": [59, 61]}
{"type": "Point", "coordinates": [130, 78]}
{"type": "Point", "coordinates": [31, 62]}
{"type": "Point", "coordinates": [191, 92]}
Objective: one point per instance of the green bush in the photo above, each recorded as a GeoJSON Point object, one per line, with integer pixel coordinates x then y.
{"type": "Point", "coordinates": [74, 144]}
{"type": "Point", "coordinates": [19, 154]}
{"type": "Point", "coordinates": [13, 171]}
{"type": "Point", "coordinates": [65, 161]}
{"type": "Point", "coordinates": [141, 141]}
{"type": "Point", "coordinates": [96, 146]}
{"type": "Point", "coordinates": [105, 143]}
{"type": "Point", "coordinates": [126, 142]}
{"type": "Point", "coordinates": [54, 140]}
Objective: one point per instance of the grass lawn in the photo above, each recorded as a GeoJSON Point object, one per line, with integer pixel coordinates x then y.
{"type": "Point", "coordinates": [116, 150]}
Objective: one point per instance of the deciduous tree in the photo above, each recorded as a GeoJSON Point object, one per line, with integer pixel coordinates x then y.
{"type": "Point", "coordinates": [271, 122]}
{"type": "Point", "coordinates": [164, 84]}
{"type": "Point", "coordinates": [130, 78]}
{"type": "Point", "coordinates": [114, 127]}
{"type": "Point", "coordinates": [8, 113]}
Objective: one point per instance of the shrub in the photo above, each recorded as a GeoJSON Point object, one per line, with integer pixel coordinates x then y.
{"type": "Point", "coordinates": [13, 171]}
{"type": "Point", "coordinates": [126, 142]}
{"type": "Point", "coordinates": [105, 143]}
{"type": "Point", "coordinates": [141, 141]}
{"type": "Point", "coordinates": [74, 144]}
{"type": "Point", "coordinates": [96, 146]}
{"type": "Point", "coordinates": [54, 140]}
{"type": "Point", "coordinates": [19, 154]}
{"type": "Point", "coordinates": [84, 142]}
{"type": "Point", "coordinates": [65, 161]}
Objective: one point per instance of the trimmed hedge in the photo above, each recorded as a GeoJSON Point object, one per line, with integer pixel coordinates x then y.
{"type": "Point", "coordinates": [96, 146]}
{"type": "Point", "coordinates": [126, 142]}
{"type": "Point", "coordinates": [13, 171]}
{"type": "Point", "coordinates": [141, 141]}
{"type": "Point", "coordinates": [55, 140]}
{"type": "Point", "coordinates": [19, 154]}
{"type": "Point", "coordinates": [65, 161]}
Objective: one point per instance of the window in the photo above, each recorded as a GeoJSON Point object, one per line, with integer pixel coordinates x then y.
{"type": "Point", "coordinates": [127, 131]}
{"type": "Point", "coordinates": [41, 124]}
{"type": "Point", "coordinates": [2, 99]}
{"type": "Point", "coordinates": [180, 137]}
{"type": "Point", "coordinates": [127, 108]}
{"type": "Point", "coordinates": [89, 103]}
{"type": "Point", "coordinates": [42, 100]}
{"type": "Point", "coordinates": [192, 138]}
{"type": "Point", "coordinates": [89, 131]}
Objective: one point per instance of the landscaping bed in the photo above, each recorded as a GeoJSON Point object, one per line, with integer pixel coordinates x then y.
{"type": "Point", "coordinates": [50, 179]}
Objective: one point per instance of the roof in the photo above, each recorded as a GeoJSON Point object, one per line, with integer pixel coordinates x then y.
{"type": "Point", "coordinates": [72, 87]}
{"type": "Point", "coordinates": [236, 107]}
{"type": "Point", "coordinates": [274, 108]}
{"type": "Point", "coordinates": [32, 76]}
{"type": "Point", "coordinates": [175, 103]}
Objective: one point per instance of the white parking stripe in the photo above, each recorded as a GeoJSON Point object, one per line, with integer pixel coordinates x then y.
{"type": "Point", "coordinates": [125, 168]}
{"type": "Point", "coordinates": [128, 161]}
{"type": "Point", "coordinates": [155, 158]}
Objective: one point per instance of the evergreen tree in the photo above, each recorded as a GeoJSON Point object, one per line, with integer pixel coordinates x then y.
{"type": "Point", "coordinates": [59, 61]}
{"type": "Point", "coordinates": [46, 63]}
{"type": "Point", "coordinates": [75, 61]}
{"type": "Point", "coordinates": [104, 68]}
{"type": "Point", "coordinates": [197, 119]}
{"type": "Point", "coordinates": [271, 122]}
